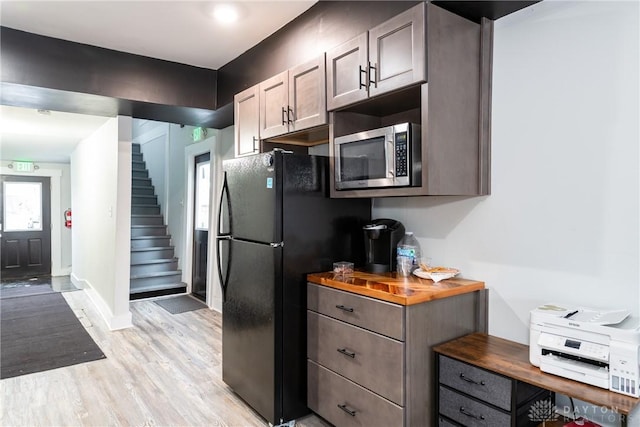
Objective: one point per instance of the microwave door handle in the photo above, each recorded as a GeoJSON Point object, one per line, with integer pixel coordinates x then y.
{"type": "Point", "coordinates": [391, 158]}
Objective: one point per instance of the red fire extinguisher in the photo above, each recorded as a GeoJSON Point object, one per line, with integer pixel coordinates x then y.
{"type": "Point", "coordinates": [67, 218]}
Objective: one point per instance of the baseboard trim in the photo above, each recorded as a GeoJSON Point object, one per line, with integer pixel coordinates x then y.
{"type": "Point", "coordinates": [113, 322]}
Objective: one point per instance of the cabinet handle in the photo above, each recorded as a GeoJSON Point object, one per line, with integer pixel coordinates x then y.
{"type": "Point", "coordinates": [347, 410]}
{"type": "Point", "coordinates": [290, 116]}
{"type": "Point", "coordinates": [342, 307]}
{"type": "Point", "coordinates": [469, 380]}
{"type": "Point", "coordinates": [284, 113]}
{"type": "Point", "coordinates": [366, 77]}
{"type": "Point", "coordinates": [469, 414]}
{"type": "Point", "coordinates": [346, 352]}
{"type": "Point", "coordinates": [373, 81]}
{"type": "Point", "coordinates": [254, 143]}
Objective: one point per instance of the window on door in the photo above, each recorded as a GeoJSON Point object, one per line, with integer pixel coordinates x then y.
{"type": "Point", "coordinates": [22, 206]}
{"type": "Point", "coordinates": [202, 196]}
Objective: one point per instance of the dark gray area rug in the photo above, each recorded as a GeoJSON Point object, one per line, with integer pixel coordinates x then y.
{"type": "Point", "coordinates": [21, 290]}
{"type": "Point", "coordinates": [181, 304]}
{"type": "Point", "coordinates": [39, 332]}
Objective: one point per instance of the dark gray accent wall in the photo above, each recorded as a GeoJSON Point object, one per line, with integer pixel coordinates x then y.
{"type": "Point", "coordinates": [49, 73]}
{"type": "Point", "coordinates": [33, 60]}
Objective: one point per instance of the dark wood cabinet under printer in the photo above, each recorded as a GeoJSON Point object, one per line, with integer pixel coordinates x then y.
{"type": "Point", "coordinates": [369, 357]}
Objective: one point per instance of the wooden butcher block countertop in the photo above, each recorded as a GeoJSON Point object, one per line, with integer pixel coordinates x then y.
{"type": "Point", "coordinates": [397, 289]}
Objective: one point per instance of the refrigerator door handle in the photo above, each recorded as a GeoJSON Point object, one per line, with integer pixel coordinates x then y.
{"type": "Point", "coordinates": [225, 191]}
{"type": "Point", "coordinates": [222, 236]}
{"type": "Point", "coordinates": [223, 280]}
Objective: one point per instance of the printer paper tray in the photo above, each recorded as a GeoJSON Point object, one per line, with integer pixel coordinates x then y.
{"type": "Point", "coordinates": [575, 370]}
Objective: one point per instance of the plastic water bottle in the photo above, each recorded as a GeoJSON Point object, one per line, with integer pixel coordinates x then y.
{"type": "Point", "coordinates": [409, 247]}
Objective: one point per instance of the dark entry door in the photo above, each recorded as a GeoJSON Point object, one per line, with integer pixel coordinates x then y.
{"type": "Point", "coordinates": [201, 225]}
{"type": "Point", "coordinates": [25, 218]}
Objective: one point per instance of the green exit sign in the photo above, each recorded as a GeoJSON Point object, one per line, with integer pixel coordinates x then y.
{"type": "Point", "coordinates": [199, 134]}
{"type": "Point", "coordinates": [23, 166]}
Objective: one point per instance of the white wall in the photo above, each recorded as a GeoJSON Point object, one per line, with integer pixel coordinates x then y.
{"type": "Point", "coordinates": [122, 254]}
{"type": "Point", "coordinates": [100, 233]}
{"type": "Point", "coordinates": [562, 222]}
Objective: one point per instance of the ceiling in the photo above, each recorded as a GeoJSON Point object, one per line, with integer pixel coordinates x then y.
{"type": "Point", "coordinates": [31, 135]}
{"type": "Point", "coordinates": [178, 31]}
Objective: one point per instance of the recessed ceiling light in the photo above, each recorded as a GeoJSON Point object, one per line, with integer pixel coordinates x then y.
{"type": "Point", "coordinates": [226, 13]}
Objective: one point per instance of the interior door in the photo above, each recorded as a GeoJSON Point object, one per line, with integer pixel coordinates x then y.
{"type": "Point", "coordinates": [25, 222]}
{"type": "Point", "coordinates": [201, 226]}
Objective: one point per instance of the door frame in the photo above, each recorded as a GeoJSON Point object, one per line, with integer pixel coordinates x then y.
{"type": "Point", "coordinates": [56, 215]}
{"type": "Point", "coordinates": [190, 153]}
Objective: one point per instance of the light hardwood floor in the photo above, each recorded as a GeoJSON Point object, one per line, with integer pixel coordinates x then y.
{"type": "Point", "coordinates": [165, 371]}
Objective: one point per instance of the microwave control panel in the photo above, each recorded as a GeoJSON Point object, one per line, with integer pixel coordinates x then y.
{"type": "Point", "coordinates": [401, 154]}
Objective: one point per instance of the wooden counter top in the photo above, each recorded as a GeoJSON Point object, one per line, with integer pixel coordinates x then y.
{"type": "Point", "coordinates": [392, 288]}
{"type": "Point", "coordinates": [511, 359]}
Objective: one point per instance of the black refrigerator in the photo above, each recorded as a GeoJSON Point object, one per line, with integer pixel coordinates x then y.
{"type": "Point", "coordinates": [277, 223]}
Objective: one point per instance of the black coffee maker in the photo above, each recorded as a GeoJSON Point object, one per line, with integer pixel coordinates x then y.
{"type": "Point", "coordinates": [381, 238]}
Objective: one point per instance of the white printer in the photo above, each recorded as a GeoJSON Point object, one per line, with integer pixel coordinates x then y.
{"type": "Point", "coordinates": [597, 347]}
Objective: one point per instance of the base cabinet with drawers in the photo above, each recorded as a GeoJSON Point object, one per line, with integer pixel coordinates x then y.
{"type": "Point", "coordinates": [471, 396]}
{"type": "Point", "coordinates": [369, 361]}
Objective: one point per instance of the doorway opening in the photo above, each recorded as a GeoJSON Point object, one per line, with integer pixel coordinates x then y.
{"type": "Point", "coordinates": [201, 197]}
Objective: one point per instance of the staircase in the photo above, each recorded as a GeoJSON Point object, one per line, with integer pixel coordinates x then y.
{"type": "Point", "coordinates": [154, 268]}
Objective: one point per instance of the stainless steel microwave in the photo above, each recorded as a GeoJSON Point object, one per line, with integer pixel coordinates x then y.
{"type": "Point", "coordinates": [379, 158]}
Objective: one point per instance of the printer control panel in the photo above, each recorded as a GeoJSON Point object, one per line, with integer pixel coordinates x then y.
{"type": "Point", "coordinates": [575, 347]}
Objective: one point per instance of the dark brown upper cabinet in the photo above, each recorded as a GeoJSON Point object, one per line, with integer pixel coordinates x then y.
{"type": "Point", "coordinates": [388, 57]}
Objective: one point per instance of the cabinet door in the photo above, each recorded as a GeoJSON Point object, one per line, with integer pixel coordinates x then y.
{"type": "Point", "coordinates": [274, 93]}
{"type": "Point", "coordinates": [246, 121]}
{"type": "Point", "coordinates": [307, 95]}
{"type": "Point", "coordinates": [397, 52]}
{"type": "Point", "coordinates": [347, 79]}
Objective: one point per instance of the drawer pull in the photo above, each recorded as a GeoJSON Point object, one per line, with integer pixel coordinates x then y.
{"type": "Point", "coordinates": [469, 414]}
{"type": "Point", "coordinates": [347, 410]}
{"type": "Point", "coordinates": [469, 380]}
{"type": "Point", "coordinates": [347, 352]}
{"type": "Point", "coordinates": [342, 307]}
